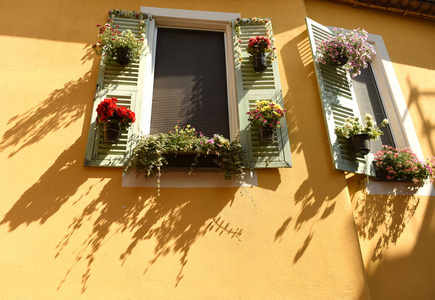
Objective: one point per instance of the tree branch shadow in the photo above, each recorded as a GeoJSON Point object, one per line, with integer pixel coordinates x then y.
{"type": "Point", "coordinates": [385, 216]}
{"type": "Point", "coordinates": [173, 221]}
{"type": "Point", "coordinates": [53, 189]}
{"type": "Point", "coordinates": [316, 202]}
{"type": "Point", "coordinates": [54, 113]}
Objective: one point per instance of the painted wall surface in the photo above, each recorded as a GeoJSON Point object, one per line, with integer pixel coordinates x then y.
{"type": "Point", "coordinates": [397, 234]}
{"type": "Point", "coordinates": [70, 232]}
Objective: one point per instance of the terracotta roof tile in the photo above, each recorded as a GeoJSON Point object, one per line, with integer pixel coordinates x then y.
{"type": "Point", "coordinates": [417, 8]}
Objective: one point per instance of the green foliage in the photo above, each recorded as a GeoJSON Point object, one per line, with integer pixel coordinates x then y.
{"type": "Point", "coordinates": [353, 126]}
{"type": "Point", "coordinates": [149, 154]}
{"type": "Point", "coordinates": [111, 39]}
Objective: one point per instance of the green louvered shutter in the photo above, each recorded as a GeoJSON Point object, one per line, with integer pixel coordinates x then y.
{"type": "Point", "coordinates": [124, 83]}
{"type": "Point", "coordinates": [252, 86]}
{"type": "Point", "coordinates": [338, 103]}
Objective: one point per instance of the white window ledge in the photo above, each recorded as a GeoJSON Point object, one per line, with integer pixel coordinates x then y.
{"type": "Point", "coordinates": [378, 187]}
{"type": "Point", "coordinates": [184, 180]}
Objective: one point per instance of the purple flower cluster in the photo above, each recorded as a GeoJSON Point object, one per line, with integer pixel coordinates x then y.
{"type": "Point", "coordinates": [352, 45]}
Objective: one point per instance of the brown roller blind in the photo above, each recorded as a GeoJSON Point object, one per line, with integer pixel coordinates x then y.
{"type": "Point", "coordinates": [190, 81]}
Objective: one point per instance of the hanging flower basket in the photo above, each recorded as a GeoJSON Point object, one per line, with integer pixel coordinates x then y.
{"type": "Point", "coordinates": [259, 62]}
{"type": "Point", "coordinates": [123, 55]}
{"type": "Point", "coordinates": [267, 134]}
{"type": "Point", "coordinates": [111, 132]}
{"type": "Point", "coordinates": [257, 47]}
{"type": "Point", "coordinates": [265, 117]}
{"type": "Point", "coordinates": [341, 60]}
{"type": "Point", "coordinates": [112, 119]}
{"type": "Point", "coordinates": [359, 144]}
{"type": "Point", "coordinates": [347, 49]}
{"type": "Point", "coordinates": [359, 135]}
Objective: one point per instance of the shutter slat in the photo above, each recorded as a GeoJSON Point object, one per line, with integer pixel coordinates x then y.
{"type": "Point", "coordinates": [122, 82]}
{"type": "Point", "coordinates": [338, 102]}
{"type": "Point", "coordinates": [252, 86]}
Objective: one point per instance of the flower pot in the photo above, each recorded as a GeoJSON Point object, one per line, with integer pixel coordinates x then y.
{"type": "Point", "coordinates": [111, 132]}
{"type": "Point", "coordinates": [359, 144]}
{"type": "Point", "coordinates": [184, 160]}
{"type": "Point", "coordinates": [341, 60]}
{"type": "Point", "coordinates": [123, 55]}
{"type": "Point", "coordinates": [381, 174]}
{"type": "Point", "coordinates": [259, 62]}
{"type": "Point", "coordinates": [267, 134]}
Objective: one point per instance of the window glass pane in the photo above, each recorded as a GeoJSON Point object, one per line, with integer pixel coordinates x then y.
{"type": "Point", "coordinates": [370, 102]}
{"type": "Point", "coordinates": [190, 81]}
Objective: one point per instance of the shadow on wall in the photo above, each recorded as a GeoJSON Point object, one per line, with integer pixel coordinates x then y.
{"type": "Point", "coordinates": [408, 276]}
{"type": "Point", "coordinates": [173, 221]}
{"type": "Point", "coordinates": [414, 97]}
{"type": "Point", "coordinates": [385, 216]}
{"type": "Point", "coordinates": [317, 202]}
{"type": "Point", "coordinates": [61, 109]}
{"type": "Point", "coordinates": [53, 189]}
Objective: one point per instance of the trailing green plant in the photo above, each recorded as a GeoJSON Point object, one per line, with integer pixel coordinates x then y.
{"type": "Point", "coordinates": [403, 165]}
{"type": "Point", "coordinates": [149, 154]}
{"type": "Point", "coordinates": [353, 126]}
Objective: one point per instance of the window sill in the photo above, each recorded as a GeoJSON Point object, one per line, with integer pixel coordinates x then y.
{"type": "Point", "coordinates": [383, 187]}
{"type": "Point", "coordinates": [182, 179]}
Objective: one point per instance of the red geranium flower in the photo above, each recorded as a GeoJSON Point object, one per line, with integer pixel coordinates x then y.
{"type": "Point", "coordinates": [109, 111]}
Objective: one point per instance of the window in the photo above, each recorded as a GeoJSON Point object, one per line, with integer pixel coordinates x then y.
{"type": "Point", "coordinates": [140, 84]}
{"type": "Point", "coordinates": [208, 77]}
{"type": "Point", "coordinates": [370, 102]}
{"type": "Point", "coordinates": [190, 81]}
{"type": "Point", "coordinates": [339, 101]}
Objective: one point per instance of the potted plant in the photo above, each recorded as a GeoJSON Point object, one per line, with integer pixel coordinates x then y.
{"type": "Point", "coordinates": [257, 47]}
{"type": "Point", "coordinates": [402, 165]}
{"type": "Point", "coordinates": [266, 116]}
{"type": "Point", "coordinates": [359, 136]}
{"type": "Point", "coordinates": [113, 119]}
{"type": "Point", "coordinates": [155, 152]}
{"type": "Point", "coordinates": [122, 45]}
{"type": "Point", "coordinates": [347, 49]}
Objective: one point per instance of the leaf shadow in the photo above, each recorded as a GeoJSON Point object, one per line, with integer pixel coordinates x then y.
{"type": "Point", "coordinates": [174, 221]}
{"type": "Point", "coordinates": [384, 217]}
{"type": "Point", "coordinates": [56, 112]}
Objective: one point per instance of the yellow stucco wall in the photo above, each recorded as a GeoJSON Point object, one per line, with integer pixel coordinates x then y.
{"type": "Point", "coordinates": [69, 232]}
{"type": "Point", "coordinates": [397, 234]}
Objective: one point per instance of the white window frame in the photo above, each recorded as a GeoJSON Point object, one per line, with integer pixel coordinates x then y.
{"type": "Point", "coordinates": [402, 127]}
{"type": "Point", "coordinates": [194, 20]}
